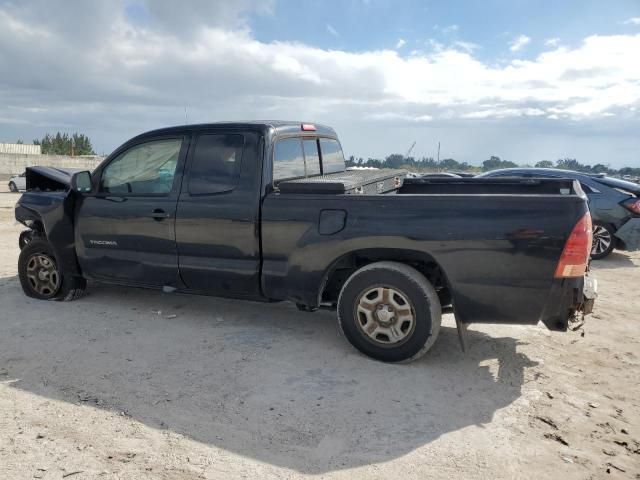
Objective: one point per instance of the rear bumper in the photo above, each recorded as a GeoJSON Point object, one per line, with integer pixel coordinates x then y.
{"type": "Point", "coordinates": [629, 233]}
{"type": "Point", "coordinates": [569, 296]}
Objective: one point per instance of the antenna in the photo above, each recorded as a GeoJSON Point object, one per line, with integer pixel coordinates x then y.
{"type": "Point", "coordinates": [438, 152]}
{"type": "Point", "coordinates": [186, 122]}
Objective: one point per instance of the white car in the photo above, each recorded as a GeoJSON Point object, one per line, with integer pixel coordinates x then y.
{"type": "Point", "coordinates": [18, 183]}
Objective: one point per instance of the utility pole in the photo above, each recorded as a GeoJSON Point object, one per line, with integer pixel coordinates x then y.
{"type": "Point", "coordinates": [438, 152]}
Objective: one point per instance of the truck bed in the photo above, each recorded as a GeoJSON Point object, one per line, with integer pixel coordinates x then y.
{"type": "Point", "coordinates": [371, 182]}
{"type": "Point", "coordinates": [349, 182]}
{"type": "Point", "coordinates": [497, 242]}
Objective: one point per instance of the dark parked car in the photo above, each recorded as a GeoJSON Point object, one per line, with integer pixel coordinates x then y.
{"type": "Point", "coordinates": [614, 205]}
{"type": "Point", "coordinates": [266, 211]}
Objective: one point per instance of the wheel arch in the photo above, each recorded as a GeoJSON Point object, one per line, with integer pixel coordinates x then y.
{"type": "Point", "coordinates": [344, 266]}
{"type": "Point", "coordinates": [51, 215]}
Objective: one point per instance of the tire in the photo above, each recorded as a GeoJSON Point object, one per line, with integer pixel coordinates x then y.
{"type": "Point", "coordinates": [12, 187]}
{"type": "Point", "coordinates": [603, 240]}
{"type": "Point", "coordinates": [40, 277]}
{"type": "Point", "coordinates": [369, 306]}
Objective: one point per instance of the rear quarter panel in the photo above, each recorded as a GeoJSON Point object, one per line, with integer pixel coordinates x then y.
{"type": "Point", "coordinates": [498, 252]}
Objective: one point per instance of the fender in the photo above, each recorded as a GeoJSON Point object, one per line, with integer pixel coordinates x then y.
{"type": "Point", "coordinates": [52, 213]}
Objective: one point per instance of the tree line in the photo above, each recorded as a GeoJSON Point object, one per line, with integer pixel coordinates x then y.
{"type": "Point", "coordinates": [64, 144]}
{"type": "Point", "coordinates": [80, 144]}
{"type": "Point", "coordinates": [428, 164]}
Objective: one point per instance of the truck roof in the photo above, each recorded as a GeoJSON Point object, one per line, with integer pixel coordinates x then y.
{"type": "Point", "coordinates": [278, 127]}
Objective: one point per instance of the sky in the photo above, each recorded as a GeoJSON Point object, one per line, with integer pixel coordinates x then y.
{"type": "Point", "coordinates": [525, 80]}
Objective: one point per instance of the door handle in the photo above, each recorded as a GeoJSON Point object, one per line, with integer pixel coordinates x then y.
{"type": "Point", "coordinates": [159, 214]}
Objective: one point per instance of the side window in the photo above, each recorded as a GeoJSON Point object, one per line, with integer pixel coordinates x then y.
{"type": "Point", "coordinates": [332, 157]}
{"type": "Point", "coordinates": [147, 168]}
{"type": "Point", "coordinates": [311, 157]}
{"type": "Point", "coordinates": [216, 164]}
{"type": "Point", "coordinates": [288, 159]}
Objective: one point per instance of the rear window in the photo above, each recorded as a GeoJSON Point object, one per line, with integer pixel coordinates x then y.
{"type": "Point", "coordinates": [288, 159]}
{"type": "Point", "coordinates": [332, 157]}
{"type": "Point", "coordinates": [300, 157]}
{"type": "Point", "coordinates": [216, 164]}
{"type": "Point", "coordinates": [311, 157]}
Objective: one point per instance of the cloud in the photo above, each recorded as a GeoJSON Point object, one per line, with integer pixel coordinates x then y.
{"type": "Point", "coordinates": [332, 30]}
{"type": "Point", "coordinates": [632, 21]}
{"type": "Point", "coordinates": [400, 43]}
{"type": "Point", "coordinates": [519, 43]}
{"type": "Point", "coordinates": [466, 46]}
{"type": "Point", "coordinates": [552, 42]}
{"type": "Point", "coordinates": [448, 29]}
{"type": "Point", "coordinates": [116, 77]}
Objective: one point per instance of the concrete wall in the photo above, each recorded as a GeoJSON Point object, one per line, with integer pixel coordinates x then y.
{"type": "Point", "coordinates": [12, 163]}
{"type": "Point", "coordinates": [20, 148]}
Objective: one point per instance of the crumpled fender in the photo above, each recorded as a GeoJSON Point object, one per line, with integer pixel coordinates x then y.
{"type": "Point", "coordinates": [52, 213]}
{"type": "Point", "coordinates": [629, 233]}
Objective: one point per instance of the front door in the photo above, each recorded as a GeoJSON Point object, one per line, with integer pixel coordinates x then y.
{"type": "Point", "coordinates": [126, 230]}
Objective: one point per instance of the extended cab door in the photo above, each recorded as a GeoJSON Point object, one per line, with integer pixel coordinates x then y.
{"type": "Point", "coordinates": [217, 224]}
{"type": "Point", "coordinates": [125, 229]}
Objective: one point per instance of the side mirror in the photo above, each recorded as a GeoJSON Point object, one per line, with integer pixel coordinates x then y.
{"type": "Point", "coordinates": [81, 182]}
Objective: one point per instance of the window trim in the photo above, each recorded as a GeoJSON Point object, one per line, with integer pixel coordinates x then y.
{"type": "Point", "coordinates": [322, 155]}
{"type": "Point", "coordinates": [304, 154]}
{"type": "Point", "coordinates": [184, 139]}
{"type": "Point", "coordinates": [191, 156]}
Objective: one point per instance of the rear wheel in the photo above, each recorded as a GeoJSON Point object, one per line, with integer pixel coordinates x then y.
{"type": "Point", "coordinates": [390, 312]}
{"type": "Point", "coordinates": [603, 240]}
{"type": "Point", "coordinates": [12, 187]}
{"type": "Point", "coordinates": [41, 277]}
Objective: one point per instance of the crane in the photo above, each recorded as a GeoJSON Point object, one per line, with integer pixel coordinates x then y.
{"type": "Point", "coordinates": [410, 150]}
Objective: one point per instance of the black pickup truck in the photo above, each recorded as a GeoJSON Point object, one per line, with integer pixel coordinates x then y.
{"type": "Point", "coordinates": [267, 211]}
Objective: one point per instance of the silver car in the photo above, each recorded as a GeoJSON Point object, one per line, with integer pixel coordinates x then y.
{"type": "Point", "coordinates": [18, 183]}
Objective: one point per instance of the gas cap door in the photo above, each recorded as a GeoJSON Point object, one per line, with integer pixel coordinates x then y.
{"type": "Point", "coordinates": [331, 221]}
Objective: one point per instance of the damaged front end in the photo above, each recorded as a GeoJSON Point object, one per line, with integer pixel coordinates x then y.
{"type": "Point", "coordinates": [48, 179]}
{"type": "Point", "coordinates": [46, 209]}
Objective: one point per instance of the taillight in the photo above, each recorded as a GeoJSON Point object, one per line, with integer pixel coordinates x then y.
{"type": "Point", "coordinates": [575, 255]}
{"type": "Point", "coordinates": [308, 127]}
{"type": "Point", "coordinates": [632, 204]}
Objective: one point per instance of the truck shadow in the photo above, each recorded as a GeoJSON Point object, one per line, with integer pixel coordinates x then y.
{"type": "Point", "coordinates": [260, 380]}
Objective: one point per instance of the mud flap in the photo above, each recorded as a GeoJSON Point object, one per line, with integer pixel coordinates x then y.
{"type": "Point", "coordinates": [590, 293]}
{"type": "Point", "coordinates": [462, 335]}
{"type": "Point", "coordinates": [629, 233]}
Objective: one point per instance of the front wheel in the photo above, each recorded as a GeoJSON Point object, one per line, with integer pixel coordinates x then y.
{"type": "Point", "coordinates": [603, 241]}
{"type": "Point", "coordinates": [41, 276]}
{"type": "Point", "coordinates": [12, 187]}
{"type": "Point", "coordinates": [390, 312]}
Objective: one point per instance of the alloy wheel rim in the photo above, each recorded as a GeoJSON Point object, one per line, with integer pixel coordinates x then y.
{"type": "Point", "coordinates": [43, 275]}
{"type": "Point", "coordinates": [385, 316]}
{"type": "Point", "coordinates": [601, 240]}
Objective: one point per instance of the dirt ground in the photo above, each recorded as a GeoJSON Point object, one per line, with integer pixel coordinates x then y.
{"type": "Point", "coordinates": [132, 384]}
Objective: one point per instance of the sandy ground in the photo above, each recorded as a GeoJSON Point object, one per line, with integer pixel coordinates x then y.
{"type": "Point", "coordinates": [139, 384]}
